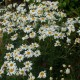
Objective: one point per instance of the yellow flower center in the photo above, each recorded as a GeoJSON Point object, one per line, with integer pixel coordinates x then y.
{"type": "Point", "coordinates": [11, 70]}
{"type": "Point", "coordinates": [28, 53]}
{"type": "Point", "coordinates": [11, 64]}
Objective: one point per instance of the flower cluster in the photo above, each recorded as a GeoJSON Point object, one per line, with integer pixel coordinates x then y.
{"type": "Point", "coordinates": [19, 54]}
{"type": "Point", "coordinates": [26, 30]}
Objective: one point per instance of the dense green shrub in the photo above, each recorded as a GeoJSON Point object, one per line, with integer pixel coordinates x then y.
{"type": "Point", "coordinates": [71, 7]}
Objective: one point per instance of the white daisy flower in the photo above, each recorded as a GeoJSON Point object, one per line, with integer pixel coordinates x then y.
{"type": "Point", "coordinates": [31, 77]}
{"type": "Point", "coordinates": [20, 57]}
{"type": "Point", "coordinates": [28, 53]}
{"type": "Point", "coordinates": [11, 71]}
{"type": "Point", "coordinates": [25, 37]}
{"type": "Point", "coordinates": [32, 35]}
{"type": "Point", "coordinates": [10, 30]}
{"type": "Point", "coordinates": [10, 46]}
{"type": "Point", "coordinates": [24, 47]}
{"type": "Point", "coordinates": [8, 56]}
{"type": "Point", "coordinates": [14, 37]}
{"type": "Point", "coordinates": [22, 71]}
{"type": "Point", "coordinates": [42, 74]}
{"type": "Point", "coordinates": [28, 65]}
{"type": "Point", "coordinates": [11, 64]}
{"type": "Point", "coordinates": [57, 43]}
{"type": "Point", "coordinates": [9, 6]}
{"type": "Point", "coordinates": [37, 53]}
{"type": "Point", "coordinates": [28, 29]}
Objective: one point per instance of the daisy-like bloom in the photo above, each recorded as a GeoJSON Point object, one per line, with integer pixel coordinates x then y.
{"type": "Point", "coordinates": [25, 37]}
{"type": "Point", "coordinates": [24, 11]}
{"type": "Point", "coordinates": [39, 11]}
{"type": "Point", "coordinates": [68, 33]}
{"type": "Point", "coordinates": [33, 46]}
{"type": "Point", "coordinates": [28, 65]}
{"type": "Point", "coordinates": [61, 35]}
{"type": "Point", "coordinates": [10, 30]}
{"type": "Point", "coordinates": [4, 65]}
{"type": "Point", "coordinates": [42, 74]}
{"type": "Point", "coordinates": [20, 8]}
{"type": "Point", "coordinates": [11, 68]}
{"type": "Point", "coordinates": [32, 12]}
{"type": "Point", "coordinates": [32, 6]}
{"type": "Point", "coordinates": [48, 15]}
{"type": "Point", "coordinates": [10, 46]}
{"type": "Point", "coordinates": [11, 64]}
{"type": "Point", "coordinates": [28, 29]}
{"type": "Point", "coordinates": [37, 53]}
{"type": "Point", "coordinates": [19, 49]}
{"type": "Point", "coordinates": [12, 71]}
{"type": "Point", "coordinates": [78, 32]}
{"type": "Point", "coordinates": [63, 29]}
{"type": "Point", "coordinates": [8, 56]}
{"type": "Point", "coordinates": [56, 35]}
{"type": "Point", "coordinates": [22, 71]}
{"type": "Point", "coordinates": [62, 14]}
{"type": "Point", "coordinates": [26, 0]}
{"type": "Point", "coordinates": [31, 77]}
{"type": "Point", "coordinates": [14, 37]}
{"type": "Point", "coordinates": [68, 40]}
{"type": "Point", "coordinates": [32, 18]}
{"type": "Point", "coordinates": [32, 35]}
{"type": "Point", "coordinates": [24, 47]}
{"type": "Point", "coordinates": [71, 28]}
{"type": "Point", "coordinates": [77, 40]}
{"type": "Point", "coordinates": [5, 22]}
{"type": "Point", "coordinates": [36, 45]}
{"type": "Point", "coordinates": [4, 29]}
{"type": "Point", "coordinates": [49, 33]}
{"type": "Point", "coordinates": [15, 4]}
{"type": "Point", "coordinates": [42, 30]}
{"type": "Point", "coordinates": [57, 43]}
{"type": "Point", "coordinates": [9, 6]}
{"type": "Point", "coordinates": [20, 27]}
{"type": "Point", "coordinates": [28, 53]}
{"type": "Point", "coordinates": [15, 53]}
{"type": "Point", "coordinates": [20, 57]}
{"type": "Point", "coordinates": [42, 19]}
{"type": "Point", "coordinates": [42, 37]}
{"type": "Point", "coordinates": [10, 24]}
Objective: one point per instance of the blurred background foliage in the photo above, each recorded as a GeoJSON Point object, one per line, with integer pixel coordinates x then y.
{"type": "Point", "coordinates": [71, 7]}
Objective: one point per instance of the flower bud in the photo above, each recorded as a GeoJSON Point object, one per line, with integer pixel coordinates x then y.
{"type": "Point", "coordinates": [61, 71]}
{"type": "Point", "coordinates": [50, 68]}
{"type": "Point", "coordinates": [62, 78]}
{"type": "Point", "coordinates": [50, 78]}
{"type": "Point", "coordinates": [64, 65]}
{"type": "Point", "coordinates": [67, 71]}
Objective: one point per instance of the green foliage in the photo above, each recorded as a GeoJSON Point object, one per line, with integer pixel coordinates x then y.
{"type": "Point", "coordinates": [71, 7]}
